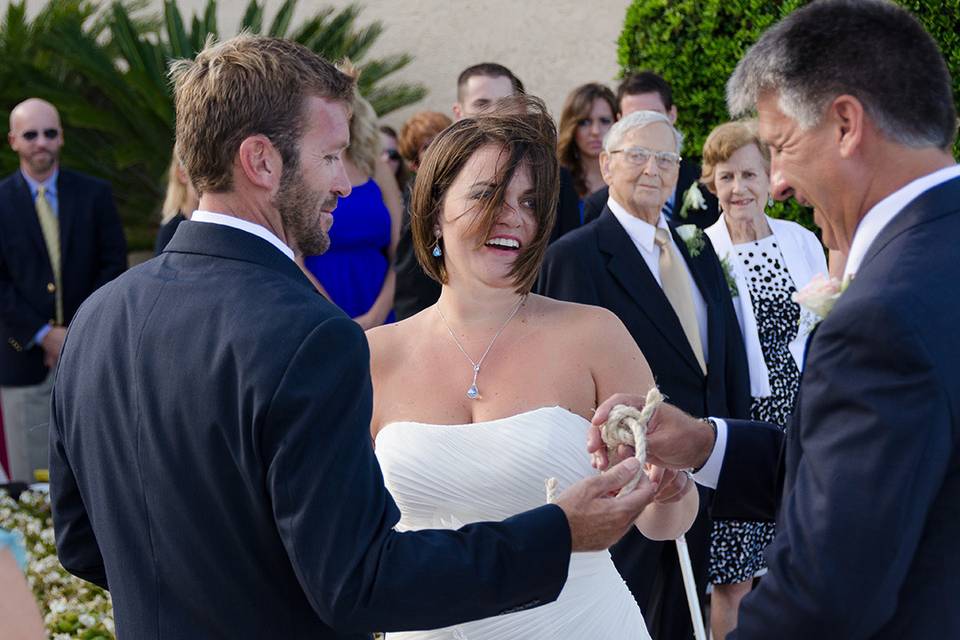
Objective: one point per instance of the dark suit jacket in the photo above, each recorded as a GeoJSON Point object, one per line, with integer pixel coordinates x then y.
{"type": "Point", "coordinates": [416, 290]}
{"type": "Point", "coordinates": [867, 534]}
{"type": "Point", "coordinates": [598, 264]}
{"type": "Point", "coordinates": [595, 203]}
{"type": "Point", "coordinates": [211, 462]}
{"type": "Point", "coordinates": [93, 251]}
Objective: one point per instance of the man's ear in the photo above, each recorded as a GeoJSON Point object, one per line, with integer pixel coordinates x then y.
{"type": "Point", "coordinates": [846, 116]}
{"type": "Point", "coordinates": [605, 160]}
{"type": "Point", "coordinates": [260, 162]}
{"type": "Point", "coordinates": [672, 114]}
{"type": "Point", "coordinates": [457, 111]}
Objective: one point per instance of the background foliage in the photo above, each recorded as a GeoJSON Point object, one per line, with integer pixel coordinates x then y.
{"type": "Point", "coordinates": [104, 67]}
{"type": "Point", "coordinates": [695, 45]}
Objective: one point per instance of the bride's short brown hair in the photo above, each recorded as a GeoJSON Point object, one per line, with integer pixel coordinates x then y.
{"type": "Point", "coordinates": [521, 127]}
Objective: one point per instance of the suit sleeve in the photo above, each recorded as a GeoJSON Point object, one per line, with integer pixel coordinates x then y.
{"type": "Point", "coordinates": [875, 441]}
{"type": "Point", "coordinates": [112, 244]}
{"type": "Point", "coordinates": [20, 319]}
{"type": "Point", "coordinates": [336, 518]}
{"type": "Point", "coordinates": [77, 547]}
{"type": "Point", "coordinates": [564, 277]}
{"type": "Point", "coordinates": [749, 484]}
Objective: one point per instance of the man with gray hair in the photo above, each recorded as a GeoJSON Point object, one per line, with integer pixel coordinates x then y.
{"type": "Point", "coordinates": [669, 290]}
{"type": "Point", "coordinates": [855, 101]}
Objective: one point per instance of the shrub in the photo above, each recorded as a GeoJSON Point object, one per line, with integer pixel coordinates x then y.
{"type": "Point", "coordinates": [695, 45]}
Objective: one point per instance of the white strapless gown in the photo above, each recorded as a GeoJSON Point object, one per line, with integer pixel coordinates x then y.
{"type": "Point", "coordinates": [446, 476]}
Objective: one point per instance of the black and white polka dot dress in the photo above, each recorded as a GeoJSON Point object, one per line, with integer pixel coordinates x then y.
{"type": "Point", "coordinates": [736, 546]}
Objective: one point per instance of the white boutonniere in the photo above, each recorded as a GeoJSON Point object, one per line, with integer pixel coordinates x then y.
{"type": "Point", "coordinates": [729, 277]}
{"type": "Point", "coordinates": [692, 236]}
{"type": "Point", "coordinates": [820, 294]}
{"type": "Point", "coordinates": [692, 199]}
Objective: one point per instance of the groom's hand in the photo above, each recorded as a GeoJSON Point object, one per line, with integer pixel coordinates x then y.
{"type": "Point", "coordinates": [675, 439]}
{"type": "Point", "coordinates": [598, 520]}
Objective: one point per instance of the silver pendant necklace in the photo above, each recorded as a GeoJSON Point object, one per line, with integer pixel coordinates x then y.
{"type": "Point", "coordinates": [473, 393]}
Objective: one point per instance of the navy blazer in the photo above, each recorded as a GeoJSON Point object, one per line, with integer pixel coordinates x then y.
{"type": "Point", "coordinates": [211, 464]}
{"type": "Point", "coordinates": [866, 544]}
{"type": "Point", "coordinates": [595, 203]}
{"type": "Point", "coordinates": [598, 264]}
{"type": "Point", "coordinates": [93, 251]}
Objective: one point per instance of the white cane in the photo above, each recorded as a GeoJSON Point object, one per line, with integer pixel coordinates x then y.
{"type": "Point", "coordinates": [690, 586]}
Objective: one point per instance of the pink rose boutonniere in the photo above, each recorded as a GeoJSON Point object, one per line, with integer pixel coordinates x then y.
{"type": "Point", "coordinates": [820, 294]}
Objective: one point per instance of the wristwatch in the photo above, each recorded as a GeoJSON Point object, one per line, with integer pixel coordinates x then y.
{"type": "Point", "coordinates": [713, 426]}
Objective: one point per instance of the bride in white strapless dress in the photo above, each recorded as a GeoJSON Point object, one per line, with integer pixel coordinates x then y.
{"type": "Point", "coordinates": [445, 476]}
{"type": "Point", "coordinates": [481, 397]}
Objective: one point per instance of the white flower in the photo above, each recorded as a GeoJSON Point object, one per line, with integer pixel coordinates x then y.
{"type": "Point", "coordinates": [820, 295]}
{"type": "Point", "coordinates": [86, 620]}
{"type": "Point", "coordinates": [692, 199]}
{"type": "Point", "coordinates": [692, 236]}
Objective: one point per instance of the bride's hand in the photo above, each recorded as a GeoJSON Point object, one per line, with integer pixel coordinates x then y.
{"type": "Point", "coordinates": [595, 446]}
{"type": "Point", "coordinates": [671, 484]}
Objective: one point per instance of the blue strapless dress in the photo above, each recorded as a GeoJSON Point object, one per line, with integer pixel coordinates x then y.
{"type": "Point", "coordinates": [354, 268]}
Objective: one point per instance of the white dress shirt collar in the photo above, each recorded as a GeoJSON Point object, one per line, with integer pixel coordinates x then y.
{"type": "Point", "coordinates": [886, 210]}
{"type": "Point", "coordinates": [50, 183]}
{"type": "Point", "coordinates": [243, 225]}
{"type": "Point", "coordinates": [640, 231]}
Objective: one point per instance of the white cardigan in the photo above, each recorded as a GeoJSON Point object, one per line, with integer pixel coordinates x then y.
{"type": "Point", "coordinates": [804, 258]}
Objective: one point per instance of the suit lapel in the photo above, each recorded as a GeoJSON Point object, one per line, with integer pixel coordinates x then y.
{"type": "Point", "coordinates": [23, 203]}
{"type": "Point", "coordinates": [66, 212]}
{"type": "Point", "coordinates": [628, 268]}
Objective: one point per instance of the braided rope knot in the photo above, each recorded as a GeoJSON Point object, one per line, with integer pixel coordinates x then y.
{"type": "Point", "coordinates": [628, 425]}
{"type": "Point", "coordinates": [625, 425]}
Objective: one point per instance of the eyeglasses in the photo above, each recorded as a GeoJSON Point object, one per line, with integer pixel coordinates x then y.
{"type": "Point", "coordinates": [49, 134]}
{"type": "Point", "coordinates": [392, 154]}
{"type": "Point", "coordinates": [666, 160]}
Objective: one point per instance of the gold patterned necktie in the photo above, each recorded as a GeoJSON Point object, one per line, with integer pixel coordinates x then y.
{"type": "Point", "coordinates": [50, 227]}
{"type": "Point", "coordinates": [676, 286]}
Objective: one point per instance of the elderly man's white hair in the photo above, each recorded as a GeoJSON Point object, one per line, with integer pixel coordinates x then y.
{"type": "Point", "coordinates": [635, 120]}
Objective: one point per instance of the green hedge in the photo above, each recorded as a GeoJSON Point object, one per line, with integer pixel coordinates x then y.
{"type": "Point", "coordinates": [695, 45]}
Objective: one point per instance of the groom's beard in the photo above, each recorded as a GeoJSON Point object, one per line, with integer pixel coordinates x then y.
{"type": "Point", "coordinates": [301, 210]}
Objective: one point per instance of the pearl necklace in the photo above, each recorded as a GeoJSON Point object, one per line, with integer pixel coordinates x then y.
{"type": "Point", "coordinates": [473, 392]}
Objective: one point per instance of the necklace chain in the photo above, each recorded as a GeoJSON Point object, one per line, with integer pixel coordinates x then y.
{"type": "Point", "coordinates": [473, 393]}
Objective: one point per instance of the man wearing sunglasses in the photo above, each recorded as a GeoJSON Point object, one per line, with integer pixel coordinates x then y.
{"type": "Point", "coordinates": [60, 239]}
{"type": "Point", "coordinates": [672, 296]}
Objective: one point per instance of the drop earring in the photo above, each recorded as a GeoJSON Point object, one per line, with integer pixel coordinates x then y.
{"type": "Point", "coordinates": [769, 201]}
{"type": "Point", "coordinates": [437, 251]}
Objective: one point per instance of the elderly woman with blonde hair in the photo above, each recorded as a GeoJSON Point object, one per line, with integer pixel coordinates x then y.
{"type": "Point", "coordinates": [766, 261]}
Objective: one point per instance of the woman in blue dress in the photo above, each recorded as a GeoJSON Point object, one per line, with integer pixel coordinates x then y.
{"type": "Point", "coordinates": [356, 272]}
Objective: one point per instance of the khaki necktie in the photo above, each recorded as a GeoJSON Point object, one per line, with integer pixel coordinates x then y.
{"type": "Point", "coordinates": [50, 227]}
{"type": "Point", "coordinates": [676, 286]}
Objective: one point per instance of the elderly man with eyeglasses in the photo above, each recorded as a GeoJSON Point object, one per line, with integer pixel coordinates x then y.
{"type": "Point", "coordinates": [60, 240]}
{"type": "Point", "coordinates": [668, 288]}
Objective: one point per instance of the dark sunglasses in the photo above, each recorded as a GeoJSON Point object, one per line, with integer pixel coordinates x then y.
{"type": "Point", "coordinates": [392, 154]}
{"type": "Point", "coordinates": [49, 134]}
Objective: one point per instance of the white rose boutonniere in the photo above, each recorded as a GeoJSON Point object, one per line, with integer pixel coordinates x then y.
{"type": "Point", "coordinates": [820, 294]}
{"type": "Point", "coordinates": [692, 199]}
{"type": "Point", "coordinates": [692, 236]}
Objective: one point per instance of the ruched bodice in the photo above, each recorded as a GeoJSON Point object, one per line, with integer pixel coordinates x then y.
{"type": "Point", "coordinates": [446, 476]}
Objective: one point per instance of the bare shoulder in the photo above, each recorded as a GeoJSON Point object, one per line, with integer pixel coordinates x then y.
{"type": "Point", "coordinates": [576, 316]}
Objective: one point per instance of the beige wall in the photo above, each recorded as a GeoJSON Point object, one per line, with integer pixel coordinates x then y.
{"type": "Point", "coordinates": [552, 45]}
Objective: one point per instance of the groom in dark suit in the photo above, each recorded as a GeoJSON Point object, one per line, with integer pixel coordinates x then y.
{"type": "Point", "coordinates": [673, 298]}
{"type": "Point", "coordinates": [856, 103]}
{"type": "Point", "coordinates": [211, 460]}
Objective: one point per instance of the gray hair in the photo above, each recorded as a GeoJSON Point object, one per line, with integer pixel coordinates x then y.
{"type": "Point", "coordinates": [636, 120]}
{"type": "Point", "coordinates": [870, 49]}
